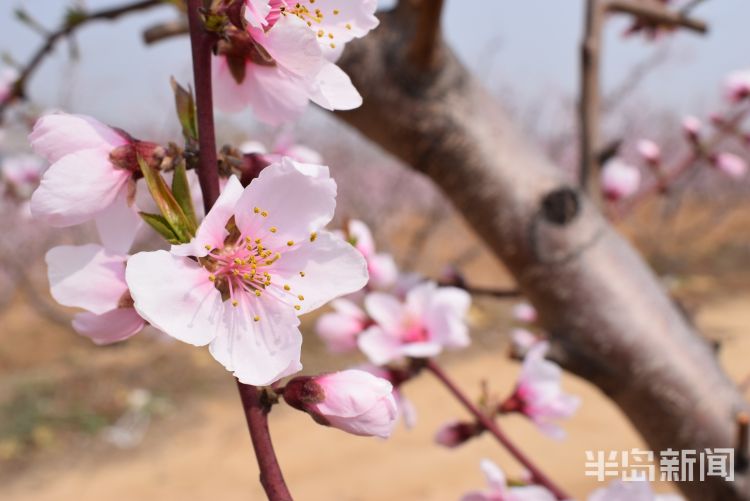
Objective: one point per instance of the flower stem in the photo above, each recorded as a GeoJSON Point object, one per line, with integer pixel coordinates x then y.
{"type": "Point", "coordinates": [257, 407]}
{"type": "Point", "coordinates": [254, 401]}
{"type": "Point", "coordinates": [489, 424]}
{"type": "Point", "coordinates": [201, 43]}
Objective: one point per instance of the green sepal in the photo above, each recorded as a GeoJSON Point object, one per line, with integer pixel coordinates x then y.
{"type": "Point", "coordinates": [161, 226]}
{"type": "Point", "coordinates": [181, 192]}
{"type": "Point", "coordinates": [186, 113]}
{"type": "Point", "coordinates": [171, 211]}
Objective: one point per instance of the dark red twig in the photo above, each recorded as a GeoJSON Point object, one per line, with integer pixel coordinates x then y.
{"type": "Point", "coordinates": [257, 407]}
{"type": "Point", "coordinates": [489, 424]}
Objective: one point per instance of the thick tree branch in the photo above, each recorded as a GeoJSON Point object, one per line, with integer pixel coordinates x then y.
{"type": "Point", "coordinates": [426, 45]}
{"type": "Point", "coordinates": [18, 89]}
{"type": "Point", "coordinates": [605, 310]}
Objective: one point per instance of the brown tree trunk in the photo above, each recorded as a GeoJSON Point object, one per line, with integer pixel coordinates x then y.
{"type": "Point", "coordinates": [610, 319]}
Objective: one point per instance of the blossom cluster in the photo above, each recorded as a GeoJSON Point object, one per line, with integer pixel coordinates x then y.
{"type": "Point", "coordinates": [621, 179]}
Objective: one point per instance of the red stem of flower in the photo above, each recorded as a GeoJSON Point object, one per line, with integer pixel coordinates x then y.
{"type": "Point", "coordinates": [201, 43]}
{"type": "Point", "coordinates": [256, 408]}
{"type": "Point", "coordinates": [489, 424]}
{"type": "Point", "coordinates": [254, 402]}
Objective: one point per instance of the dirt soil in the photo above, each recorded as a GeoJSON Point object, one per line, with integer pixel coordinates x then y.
{"type": "Point", "coordinates": [201, 450]}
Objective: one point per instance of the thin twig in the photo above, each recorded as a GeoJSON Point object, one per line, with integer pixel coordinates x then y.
{"type": "Point", "coordinates": [658, 13]}
{"type": "Point", "coordinates": [256, 408]}
{"type": "Point", "coordinates": [254, 403]}
{"type": "Point", "coordinates": [165, 31]}
{"type": "Point", "coordinates": [489, 424]}
{"type": "Point", "coordinates": [18, 89]}
{"type": "Point", "coordinates": [201, 43]}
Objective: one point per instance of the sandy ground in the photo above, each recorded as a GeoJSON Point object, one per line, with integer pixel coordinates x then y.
{"type": "Point", "coordinates": [204, 453]}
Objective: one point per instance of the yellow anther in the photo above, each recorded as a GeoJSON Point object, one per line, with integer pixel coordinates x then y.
{"type": "Point", "coordinates": [248, 239]}
{"type": "Point", "coordinates": [212, 278]}
{"type": "Point", "coordinates": [257, 292]}
{"type": "Point", "coordinates": [301, 297]}
{"type": "Point", "coordinates": [235, 303]}
{"type": "Point", "coordinates": [336, 12]}
{"type": "Point", "coordinates": [297, 307]}
{"type": "Point", "coordinates": [256, 318]}
{"type": "Point", "coordinates": [348, 26]}
{"type": "Point", "coordinates": [246, 276]}
{"type": "Point", "coordinates": [273, 229]}
{"type": "Point", "coordinates": [313, 236]}
{"type": "Point", "coordinates": [256, 210]}
{"type": "Point", "coordinates": [290, 243]}
{"type": "Point", "coordinates": [333, 45]}
{"type": "Point", "coordinates": [235, 273]}
{"type": "Point", "coordinates": [267, 283]}
{"type": "Point", "coordinates": [264, 213]}
{"type": "Point", "coordinates": [207, 247]}
{"type": "Point", "coordinates": [302, 273]}
{"type": "Point", "coordinates": [309, 23]}
{"type": "Point", "coordinates": [257, 240]}
{"type": "Point", "coordinates": [321, 33]}
{"type": "Point", "coordinates": [238, 261]}
{"type": "Point", "coordinates": [287, 288]}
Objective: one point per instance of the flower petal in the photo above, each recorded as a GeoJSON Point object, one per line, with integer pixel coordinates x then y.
{"type": "Point", "coordinates": [293, 46]}
{"type": "Point", "coordinates": [379, 346]}
{"type": "Point", "coordinates": [77, 187]}
{"type": "Point", "coordinates": [86, 276]}
{"type": "Point", "coordinates": [118, 225]}
{"type": "Point", "coordinates": [296, 203]}
{"type": "Point", "coordinates": [59, 134]}
{"type": "Point", "coordinates": [175, 295]}
{"type": "Point", "coordinates": [110, 327]}
{"type": "Point", "coordinates": [351, 392]}
{"type": "Point", "coordinates": [262, 352]}
{"type": "Point", "coordinates": [387, 311]}
{"type": "Point", "coordinates": [344, 21]}
{"type": "Point", "coordinates": [331, 269]}
{"type": "Point", "coordinates": [333, 90]}
{"type": "Point", "coordinates": [212, 230]}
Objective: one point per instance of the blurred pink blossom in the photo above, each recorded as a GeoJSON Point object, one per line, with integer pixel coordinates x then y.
{"type": "Point", "coordinates": [284, 146]}
{"type": "Point", "coordinates": [649, 150]}
{"type": "Point", "coordinates": [737, 85]}
{"type": "Point", "coordinates": [380, 265]}
{"type": "Point", "coordinates": [354, 401]}
{"type": "Point", "coordinates": [21, 173]}
{"type": "Point", "coordinates": [454, 433]}
{"type": "Point", "coordinates": [538, 394]}
{"type": "Point", "coordinates": [239, 288]}
{"type": "Point", "coordinates": [524, 312]}
{"type": "Point", "coordinates": [619, 180]}
{"type": "Point", "coordinates": [522, 340]}
{"type": "Point", "coordinates": [8, 77]}
{"type": "Point", "coordinates": [730, 164]}
{"type": "Point", "coordinates": [430, 319]}
{"type": "Point", "coordinates": [340, 328]}
{"type": "Point", "coordinates": [692, 127]}
{"type": "Point", "coordinates": [499, 490]}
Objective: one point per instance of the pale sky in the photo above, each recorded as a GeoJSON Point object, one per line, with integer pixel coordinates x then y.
{"type": "Point", "coordinates": [528, 46]}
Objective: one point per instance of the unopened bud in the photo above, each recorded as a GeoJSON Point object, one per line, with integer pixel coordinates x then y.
{"type": "Point", "coordinates": [455, 433]}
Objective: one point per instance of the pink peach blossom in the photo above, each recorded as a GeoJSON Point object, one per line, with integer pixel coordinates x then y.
{"type": "Point", "coordinates": [737, 85]}
{"type": "Point", "coordinates": [635, 490]}
{"type": "Point", "coordinates": [381, 266]}
{"type": "Point", "coordinates": [340, 328]}
{"type": "Point", "coordinates": [649, 150]}
{"type": "Point", "coordinates": [430, 319]}
{"type": "Point", "coordinates": [284, 146]}
{"type": "Point", "coordinates": [730, 164]}
{"type": "Point", "coordinates": [525, 313]}
{"type": "Point", "coordinates": [692, 126]}
{"type": "Point", "coordinates": [278, 68]}
{"type": "Point", "coordinates": [21, 173]}
{"type": "Point", "coordinates": [538, 394]}
{"type": "Point", "coordinates": [619, 180]}
{"type": "Point", "coordinates": [258, 259]}
{"type": "Point", "coordinates": [92, 278]}
{"type": "Point", "coordinates": [522, 340]}
{"type": "Point", "coordinates": [454, 433]}
{"type": "Point", "coordinates": [499, 490]}
{"type": "Point", "coordinates": [91, 166]}
{"type": "Point", "coordinates": [354, 401]}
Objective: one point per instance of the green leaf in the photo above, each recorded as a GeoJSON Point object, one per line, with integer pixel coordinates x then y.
{"type": "Point", "coordinates": [185, 105]}
{"type": "Point", "coordinates": [161, 226]}
{"type": "Point", "coordinates": [181, 192]}
{"type": "Point", "coordinates": [165, 201]}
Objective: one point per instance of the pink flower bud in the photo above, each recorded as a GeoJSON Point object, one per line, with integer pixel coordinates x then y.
{"type": "Point", "coordinates": [522, 340]}
{"type": "Point", "coordinates": [730, 164]}
{"type": "Point", "coordinates": [455, 433]}
{"type": "Point", "coordinates": [619, 180]}
{"type": "Point", "coordinates": [650, 151]}
{"type": "Point", "coordinates": [352, 400]}
{"type": "Point", "coordinates": [737, 86]}
{"type": "Point", "coordinates": [692, 126]}
{"type": "Point", "coordinates": [524, 312]}
{"type": "Point", "coordinates": [8, 77]}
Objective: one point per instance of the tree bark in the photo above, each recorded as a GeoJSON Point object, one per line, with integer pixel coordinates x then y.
{"type": "Point", "coordinates": [608, 316]}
